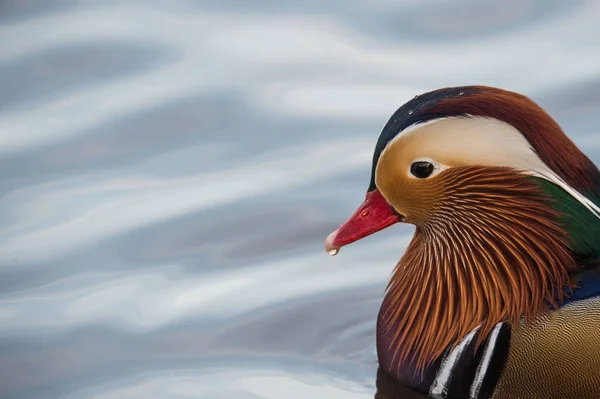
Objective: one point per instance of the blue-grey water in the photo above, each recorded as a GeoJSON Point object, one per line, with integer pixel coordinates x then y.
{"type": "Point", "coordinates": [170, 169]}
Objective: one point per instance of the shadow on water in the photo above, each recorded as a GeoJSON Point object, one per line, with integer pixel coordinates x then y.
{"type": "Point", "coordinates": [388, 388]}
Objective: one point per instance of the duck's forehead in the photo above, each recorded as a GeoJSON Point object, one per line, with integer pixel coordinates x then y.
{"type": "Point", "coordinates": [460, 141]}
{"type": "Point", "coordinates": [416, 111]}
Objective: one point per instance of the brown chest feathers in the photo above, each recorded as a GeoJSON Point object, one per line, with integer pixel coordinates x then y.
{"type": "Point", "coordinates": [491, 251]}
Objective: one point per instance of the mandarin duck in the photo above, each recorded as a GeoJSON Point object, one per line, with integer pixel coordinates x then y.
{"type": "Point", "coordinates": [498, 293]}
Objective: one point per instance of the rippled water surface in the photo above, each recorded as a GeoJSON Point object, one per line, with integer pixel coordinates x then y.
{"type": "Point", "coordinates": [169, 170]}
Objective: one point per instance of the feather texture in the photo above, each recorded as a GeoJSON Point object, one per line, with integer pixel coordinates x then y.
{"type": "Point", "coordinates": [492, 250]}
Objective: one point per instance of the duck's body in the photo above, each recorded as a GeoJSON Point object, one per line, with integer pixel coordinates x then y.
{"type": "Point", "coordinates": [536, 360]}
{"type": "Point", "coordinates": [556, 357]}
{"type": "Point", "coordinates": [498, 294]}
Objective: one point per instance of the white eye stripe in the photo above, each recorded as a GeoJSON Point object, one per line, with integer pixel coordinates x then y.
{"type": "Point", "coordinates": [478, 141]}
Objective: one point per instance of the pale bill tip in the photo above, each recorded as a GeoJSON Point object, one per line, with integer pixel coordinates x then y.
{"type": "Point", "coordinates": [329, 246]}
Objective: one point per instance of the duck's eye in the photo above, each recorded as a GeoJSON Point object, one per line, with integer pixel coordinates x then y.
{"type": "Point", "coordinates": [421, 169]}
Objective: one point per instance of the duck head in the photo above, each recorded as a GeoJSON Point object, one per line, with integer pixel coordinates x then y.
{"type": "Point", "coordinates": [504, 205]}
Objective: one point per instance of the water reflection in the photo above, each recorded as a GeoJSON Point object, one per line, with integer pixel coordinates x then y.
{"type": "Point", "coordinates": [168, 172]}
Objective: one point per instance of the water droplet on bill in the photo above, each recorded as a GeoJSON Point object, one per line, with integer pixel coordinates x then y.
{"type": "Point", "coordinates": [334, 252]}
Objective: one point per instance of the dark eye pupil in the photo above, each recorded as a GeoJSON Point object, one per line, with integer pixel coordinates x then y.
{"type": "Point", "coordinates": [421, 169]}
